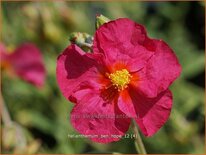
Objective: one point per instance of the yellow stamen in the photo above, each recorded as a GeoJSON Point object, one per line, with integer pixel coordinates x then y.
{"type": "Point", "coordinates": [120, 79]}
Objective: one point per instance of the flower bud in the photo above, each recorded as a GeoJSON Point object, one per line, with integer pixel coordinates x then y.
{"type": "Point", "coordinates": [83, 40]}
{"type": "Point", "coordinates": [100, 20]}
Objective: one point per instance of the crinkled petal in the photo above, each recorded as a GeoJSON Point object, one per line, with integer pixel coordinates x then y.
{"type": "Point", "coordinates": [160, 71]}
{"type": "Point", "coordinates": [100, 120]}
{"type": "Point", "coordinates": [125, 41]}
{"type": "Point", "coordinates": [75, 67]}
{"type": "Point", "coordinates": [27, 62]}
{"type": "Point", "coordinates": [152, 113]}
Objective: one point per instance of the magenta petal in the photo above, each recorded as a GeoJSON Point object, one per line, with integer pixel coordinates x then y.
{"type": "Point", "coordinates": [149, 113]}
{"type": "Point", "coordinates": [152, 113]}
{"type": "Point", "coordinates": [126, 104]}
{"type": "Point", "coordinates": [159, 73]}
{"type": "Point", "coordinates": [125, 41]}
{"type": "Point", "coordinates": [75, 67]}
{"type": "Point", "coordinates": [95, 118]}
{"type": "Point", "coordinates": [27, 62]}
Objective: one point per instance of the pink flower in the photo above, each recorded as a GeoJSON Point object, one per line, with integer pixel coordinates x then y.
{"type": "Point", "coordinates": [127, 76]}
{"type": "Point", "coordinates": [26, 62]}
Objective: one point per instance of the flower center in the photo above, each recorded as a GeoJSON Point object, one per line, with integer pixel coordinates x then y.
{"type": "Point", "coordinates": [120, 79]}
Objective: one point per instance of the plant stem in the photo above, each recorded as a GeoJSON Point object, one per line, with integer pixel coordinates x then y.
{"type": "Point", "coordinates": [20, 137]}
{"type": "Point", "coordinates": [138, 140]}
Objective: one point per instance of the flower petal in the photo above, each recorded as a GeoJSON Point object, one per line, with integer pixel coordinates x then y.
{"type": "Point", "coordinates": [27, 62]}
{"type": "Point", "coordinates": [75, 67]}
{"type": "Point", "coordinates": [125, 41]}
{"type": "Point", "coordinates": [126, 104]}
{"type": "Point", "coordinates": [152, 113]}
{"type": "Point", "coordinates": [100, 120]}
{"type": "Point", "coordinates": [149, 113]}
{"type": "Point", "coordinates": [159, 73]}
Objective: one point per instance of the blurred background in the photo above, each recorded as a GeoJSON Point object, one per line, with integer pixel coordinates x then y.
{"type": "Point", "coordinates": [43, 113]}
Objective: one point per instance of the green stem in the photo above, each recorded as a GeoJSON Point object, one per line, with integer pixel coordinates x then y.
{"type": "Point", "coordinates": [138, 140]}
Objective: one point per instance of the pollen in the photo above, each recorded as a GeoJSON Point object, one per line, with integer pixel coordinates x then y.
{"type": "Point", "coordinates": [120, 79]}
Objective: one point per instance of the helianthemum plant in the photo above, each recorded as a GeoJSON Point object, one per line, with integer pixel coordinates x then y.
{"type": "Point", "coordinates": [127, 76]}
